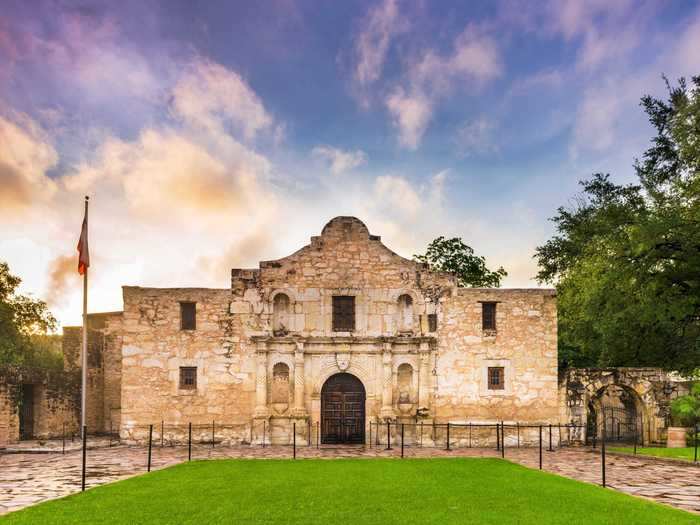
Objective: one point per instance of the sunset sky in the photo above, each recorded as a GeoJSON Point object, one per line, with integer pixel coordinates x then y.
{"type": "Point", "coordinates": [213, 136]}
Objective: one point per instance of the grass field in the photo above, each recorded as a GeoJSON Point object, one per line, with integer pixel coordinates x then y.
{"type": "Point", "coordinates": [678, 453]}
{"type": "Point", "coordinates": [350, 491]}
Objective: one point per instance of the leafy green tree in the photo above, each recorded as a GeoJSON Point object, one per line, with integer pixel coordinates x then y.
{"type": "Point", "coordinates": [24, 324]}
{"type": "Point", "coordinates": [687, 408]}
{"type": "Point", "coordinates": [452, 255]}
{"type": "Point", "coordinates": [626, 258]}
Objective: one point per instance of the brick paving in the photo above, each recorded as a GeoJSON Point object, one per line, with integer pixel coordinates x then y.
{"type": "Point", "coordinates": [26, 479]}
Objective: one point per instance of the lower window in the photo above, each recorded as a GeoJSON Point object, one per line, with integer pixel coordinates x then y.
{"type": "Point", "coordinates": [496, 378]}
{"type": "Point", "coordinates": [188, 378]}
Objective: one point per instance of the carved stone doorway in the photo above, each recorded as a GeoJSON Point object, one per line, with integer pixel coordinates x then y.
{"type": "Point", "coordinates": [343, 410]}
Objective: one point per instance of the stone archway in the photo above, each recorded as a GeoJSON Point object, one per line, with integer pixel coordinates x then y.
{"type": "Point", "coordinates": [647, 392]}
{"type": "Point", "coordinates": [343, 410]}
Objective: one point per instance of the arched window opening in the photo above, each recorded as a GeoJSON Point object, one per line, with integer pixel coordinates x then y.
{"type": "Point", "coordinates": [280, 314]}
{"type": "Point", "coordinates": [405, 380]}
{"type": "Point", "coordinates": [280, 383]}
{"type": "Point", "coordinates": [405, 308]}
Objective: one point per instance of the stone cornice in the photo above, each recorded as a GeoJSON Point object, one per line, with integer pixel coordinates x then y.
{"type": "Point", "coordinates": [422, 343]}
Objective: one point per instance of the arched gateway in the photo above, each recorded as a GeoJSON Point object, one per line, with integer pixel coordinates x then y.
{"type": "Point", "coordinates": [343, 410]}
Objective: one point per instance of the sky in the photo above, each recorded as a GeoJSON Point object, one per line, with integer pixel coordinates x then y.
{"type": "Point", "coordinates": [212, 135]}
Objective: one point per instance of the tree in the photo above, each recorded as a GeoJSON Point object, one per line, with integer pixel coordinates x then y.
{"type": "Point", "coordinates": [687, 408]}
{"type": "Point", "coordinates": [452, 255]}
{"type": "Point", "coordinates": [23, 322]}
{"type": "Point", "coordinates": [626, 258]}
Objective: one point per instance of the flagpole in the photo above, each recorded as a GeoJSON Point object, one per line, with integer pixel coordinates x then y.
{"type": "Point", "coordinates": [83, 390]}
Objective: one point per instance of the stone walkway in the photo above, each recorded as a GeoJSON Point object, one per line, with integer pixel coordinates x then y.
{"type": "Point", "coordinates": [26, 479]}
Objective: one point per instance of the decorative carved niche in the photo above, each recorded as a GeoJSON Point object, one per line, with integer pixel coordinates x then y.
{"type": "Point", "coordinates": [279, 393]}
{"type": "Point", "coordinates": [280, 314]}
{"type": "Point", "coordinates": [405, 313]}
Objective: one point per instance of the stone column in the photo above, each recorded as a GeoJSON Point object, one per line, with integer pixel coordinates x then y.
{"type": "Point", "coordinates": [387, 411]}
{"type": "Point", "coordinates": [299, 409]}
{"type": "Point", "coordinates": [424, 377]}
{"type": "Point", "coordinates": [261, 410]}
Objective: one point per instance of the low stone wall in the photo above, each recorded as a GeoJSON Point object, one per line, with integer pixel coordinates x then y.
{"type": "Point", "coordinates": [55, 402]}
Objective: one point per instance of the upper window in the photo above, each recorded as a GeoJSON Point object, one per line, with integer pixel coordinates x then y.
{"type": "Point", "coordinates": [488, 316]}
{"type": "Point", "coordinates": [343, 313]}
{"type": "Point", "coordinates": [496, 375]}
{"type": "Point", "coordinates": [188, 316]}
{"type": "Point", "coordinates": [188, 377]}
{"type": "Point", "coordinates": [432, 322]}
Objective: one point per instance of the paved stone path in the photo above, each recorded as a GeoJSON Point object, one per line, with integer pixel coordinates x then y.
{"type": "Point", "coordinates": [26, 479]}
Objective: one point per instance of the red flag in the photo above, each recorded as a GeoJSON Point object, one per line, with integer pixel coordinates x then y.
{"type": "Point", "coordinates": [83, 252]}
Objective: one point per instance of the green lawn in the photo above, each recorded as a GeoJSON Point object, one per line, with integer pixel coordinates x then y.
{"type": "Point", "coordinates": [679, 453]}
{"type": "Point", "coordinates": [350, 492]}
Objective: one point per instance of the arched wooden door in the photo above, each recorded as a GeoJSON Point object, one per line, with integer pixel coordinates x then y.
{"type": "Point", "coordinates": [343, 410]}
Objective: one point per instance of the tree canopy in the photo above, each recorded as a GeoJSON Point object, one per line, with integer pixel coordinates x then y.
{"type": "Point", "coordinates": [452, 255]}
{"type": "Point", "coordinates": [24, 325]}
{"type": "Point", "coordinates": [626, 258]}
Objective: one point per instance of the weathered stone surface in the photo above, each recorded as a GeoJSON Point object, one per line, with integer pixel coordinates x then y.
{"type": "Point", "coordinates": [240, 338]}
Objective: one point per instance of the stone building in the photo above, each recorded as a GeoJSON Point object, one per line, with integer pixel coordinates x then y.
{"type": "Point", "coordinates": [342, 333]}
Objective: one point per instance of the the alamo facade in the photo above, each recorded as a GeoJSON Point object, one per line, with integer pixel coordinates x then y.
{"type": "Point", "coordinates": [342, 333]}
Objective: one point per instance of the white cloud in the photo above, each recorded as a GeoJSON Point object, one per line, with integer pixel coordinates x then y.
{"type": "Point", "coordinates": [340, 160]}
{"type": "Point", "coordinates": [26, 154]}
{"type": "Point", "coordinates": [473, 61]}
{"type": "Point", "coordinates": [410, 114]}
{"type": "Point", "coordinates": [476, 137]}
{"type": "Point", "coordinates": [381, 24]}
{"type": "Point", "coordinates": [211, 96]}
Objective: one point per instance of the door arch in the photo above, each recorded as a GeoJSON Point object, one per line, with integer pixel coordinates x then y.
{"type": "Point", "coordinates": [343, 410]}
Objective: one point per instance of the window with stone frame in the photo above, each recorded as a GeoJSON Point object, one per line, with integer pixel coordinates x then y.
{"type": "Point", "coordinates": [496, 378]}
{"type": "Point", "coordinates": [188, 378]}
{"type": "Point", "coordinates": [432, 322]}
{"type": "Point", "coordinates": [488, 316]}
{"type": "Point", "coordinates": [343, 313]}
{"type": "Point", "coordinates": [188, 316]}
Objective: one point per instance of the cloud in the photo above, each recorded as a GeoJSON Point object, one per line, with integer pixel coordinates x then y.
{"type": "Point", "coordinates": [473, 61]}
{"type": "Point", "coordinates": [382, 23]}
{"type": "Point", "coordinates": [340, 161]}
{"type": "Point", "coordinates": [410, 115]}
{"type": "Point", "coordinates": [25, 156]}
{"type": "Point", "coordinates": [476, 137]}
{"type": "Point", "coordinates": [212, 96]}
{"type": "Point", "coordinates": [63, 274]}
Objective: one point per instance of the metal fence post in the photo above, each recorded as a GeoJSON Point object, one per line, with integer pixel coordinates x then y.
{"type": "Point", "coordinates": [150, 443]}
{"type": "Point", "coordinates": [448, 435]}
{"type": "Point", "coordinates": [264, 425]}
{"type": "Point", "coordinates": [212, 433]}
{"type": "Point", "coordinates": [498, 438]}
{"type": "Point", "coordinates": [370, 434]}
{"type": "Point", "coordinates": [189, 443]}
{"type": "Point", "coordinates": [517, 429]}
{"type": "Point", "coordinates": [388, 435]}
{"type": "Point", "coordinates": [318, 434]}
{"type": "Point", "coordinates": [550, 439]}
{"type": "Point", "coordinates": [503, 440]}
{"type": "Point", "coordinates": [63, 446]}
{"type": "Point", "coordinates": [402, 425]}
{"type": "Point", "coordinates": [470, 435]}
{"type": "Point", "coordinates": [84, 456]}
{"type": "Point", "coordinates": [294, 439]}
{"type": "Point", "coordinates": [308, 430]}
{"type": "Point", "coordinates": [162, 431]}
{"type": "Point", "coordinates": [540, 447]}
{"type": "Point", "coordinates": [636, 430]}
{"type": "Point", "coordinates": [602, 451]}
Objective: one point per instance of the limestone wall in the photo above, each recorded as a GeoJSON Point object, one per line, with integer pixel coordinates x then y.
{"type": "Point", "coordinates": [524, 343]}
{"type": "Point", "coordinates": [104, 368]}
{"type": "Point", "coordinates": [153, 348]}
{"type": "Point", "coordinates": [264, 348]}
